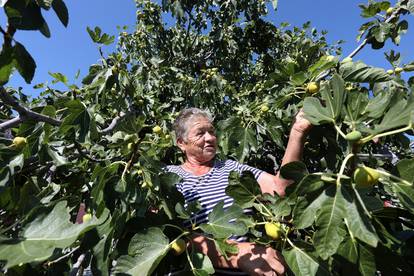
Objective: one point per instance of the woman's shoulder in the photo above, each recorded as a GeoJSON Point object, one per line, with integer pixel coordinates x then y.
{"type": "Point", "coordinates": [174, 169]}
{"type": "Point", "coordinates": [226, 164]}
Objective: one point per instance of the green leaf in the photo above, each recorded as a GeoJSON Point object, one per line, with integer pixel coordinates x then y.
{"type": "Point", "coordinates": [309, 183]}
{"type": "Point", "coordinates": [25, 64]}
{"type": "Point", "coordinates": [224, 247]}
{"type": "Point", "coordinates": [7, 63]}
{"type": "Point", "coordinates": [304, 214]}
{"type": "Point", "coordinates": [405, 169]}
{"type": "Point", "coordinates": [329, 219]}
{"type": "Point", "coordinates": [100, 179]}
{"type": "Point", "coordinates": [377, 105]}
{"type": "Point", "coordinates": [43, 235]}
{"type": "Point", "coordinates": [298, 78]}
{"type": "Point", "coordinates": [400, 114]}
{"type": "Point", "coordinates": [303, 263]}
{"type": "Point", "coordinates": [294, 170]}
{"type": "Point", "coordinates": [243, 140]}
{"type": "Point", "coordinates": [243, 188]}
{"type": "Point", "coordinates": [359, 224]}
{"type": "Point", "coordinates": [360, 72]}
{"type": "Point", "coordinates": [201, 264]}
{"type": "Point", "coordinates": [170, 195]}
{"type": "Point", "coordinates": [59, 77]}
{"type": "Point", "coordinates": [219, 224]}
{"type": "Point", "coordinates": [145, 251]}
{"type": "Point", "coordinates": [333, 96]}
{"type": "Point", "coordinates": [78, 117]}
{"type": "Point", "coordinates": [357, 254]}
{"type": "Point", "coordinates": [98, 38]}
{"type": "Point", "coordinates": [405, 194]}
{"type": "Point", "coordinates": [61, 11]}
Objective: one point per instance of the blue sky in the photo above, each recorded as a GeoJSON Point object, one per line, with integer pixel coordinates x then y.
{"type": "Point", "coordinates": [70, 49]}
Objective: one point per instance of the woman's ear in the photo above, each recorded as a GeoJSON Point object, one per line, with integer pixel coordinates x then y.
{"type": "Point", "coordinates": [181, 144]}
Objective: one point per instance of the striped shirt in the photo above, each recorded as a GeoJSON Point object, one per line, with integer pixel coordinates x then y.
{"type": "Point", "coordinates": [210, 188]}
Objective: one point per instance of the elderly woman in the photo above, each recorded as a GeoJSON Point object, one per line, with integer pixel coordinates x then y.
{"type": "Point", "coordinates": [205, 179]}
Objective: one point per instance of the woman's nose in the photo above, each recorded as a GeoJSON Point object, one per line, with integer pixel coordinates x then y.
{"type": "Point", "coordinates": [208, 136]}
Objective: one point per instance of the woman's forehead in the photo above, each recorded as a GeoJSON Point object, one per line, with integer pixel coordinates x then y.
{"type": "Point", "coordinates": [199, 121]}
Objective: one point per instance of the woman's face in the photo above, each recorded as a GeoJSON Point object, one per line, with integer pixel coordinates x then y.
{"type": "Point", "coordinates": [201, 141]}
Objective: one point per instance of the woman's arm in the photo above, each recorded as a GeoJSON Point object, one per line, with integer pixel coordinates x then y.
{"type": "Point", "coordinates": [251, 258]}
{"type": "Point", "coordinates": [275, 183]}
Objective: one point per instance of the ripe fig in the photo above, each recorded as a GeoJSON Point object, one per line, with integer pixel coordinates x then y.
{"type": "Point", "coordinates": [86, 217]}
{"type": "Point", "coordinates": [19, 142]}
{"type": "Point", "coordinates": [264, 108]}
{"type": "Point", "coordinates": [157, 129]}
{"type": "Point", "coordinates": [178, 247]}
{"type": "Point", "coordinates": [312, 87]}
{"type": "Point", "coordinates": [273, 230]}
{"type": "Point", "coordinates": [366, 177]}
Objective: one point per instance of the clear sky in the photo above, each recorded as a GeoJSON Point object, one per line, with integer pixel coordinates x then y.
{"type": "Point", "coordinates": [70, 49]}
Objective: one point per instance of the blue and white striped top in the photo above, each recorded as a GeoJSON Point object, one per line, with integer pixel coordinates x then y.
{"type": "Point", "coordinates": [209, 188]}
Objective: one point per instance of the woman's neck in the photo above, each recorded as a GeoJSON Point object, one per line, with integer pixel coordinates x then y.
{"type": "Point", "coordinates": [197, 168]}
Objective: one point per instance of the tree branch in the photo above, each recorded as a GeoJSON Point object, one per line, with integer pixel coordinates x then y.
{"type": "Point", "coordinates": [395, 14]}
{"type": "Point", "coordinates": [25, 114]}
{"type": "Point", "coordinates": [115, 122]}
{"type": "Point", "coordinates": [362, 44]}
{"type": "Point", "coordinates": [11, 123]}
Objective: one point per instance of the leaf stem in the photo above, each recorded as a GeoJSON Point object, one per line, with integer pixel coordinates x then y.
{"type": "Point", "coordinates": [403, 181]}
{"type": "Point", "coordinates": [361, 202]}
{"type": "Point", "coordinates": [63, 257]}
{"type": "Point", "coordinates": [341, 171]}
{"type": "Point", "coordinates": [370, 137]}
{"type": "Point", "coordinates": [340, 131]}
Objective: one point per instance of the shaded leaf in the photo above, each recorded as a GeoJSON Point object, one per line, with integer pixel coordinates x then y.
{"type": "Point", "coordinates": [359, 224]}
{"type": "Point", "coordinates": [43, 235]}
{"type": "Point", "coordinates": [145, 252]}
{"type": "Point", "coordinates": [360, 72]}
{"type": "Point", "coordinates": [294, 170]}
{"type": "Point", "coordinates": [61, 11]}
{"type": "Point", "coordinates": [243, 188]}
{"type": "Point", "coordinates": [201, 264]}
{"type": "Point", "coordinates": [405, 169]}
{"type": "Point", "coordinates": [25, 64]}
{"type": "Point", "coordinates": [219, 224]}
{"type": "Point", "coordinates": [302, 262]}
{"type": "Point", "coordinates": [329, 219]}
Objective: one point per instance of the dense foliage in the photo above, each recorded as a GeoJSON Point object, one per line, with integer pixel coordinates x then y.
{"type": "Point", "coordinates": [81, 179]}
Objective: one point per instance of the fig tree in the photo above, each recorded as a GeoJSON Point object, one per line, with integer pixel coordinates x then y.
{"type": "Point", "coordinates": [366, 177]}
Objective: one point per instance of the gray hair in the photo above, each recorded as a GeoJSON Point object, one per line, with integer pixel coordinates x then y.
{"type": "Point", "coordinates": [185, 116]}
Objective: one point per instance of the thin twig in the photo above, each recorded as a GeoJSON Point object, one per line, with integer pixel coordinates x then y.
{"type": "Point", "coordinates": [77, 265]}
{"type": "Point", "coordinates": [86, 154]}
{"type": "Point", "coordinates": [63, 257]}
